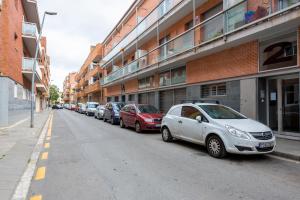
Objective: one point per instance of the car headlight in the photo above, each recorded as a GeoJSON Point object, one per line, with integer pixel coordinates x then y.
{"type": "Point", "coordinates": [237, 133]}
{"type": "Point", "coordinates": [148, 120]}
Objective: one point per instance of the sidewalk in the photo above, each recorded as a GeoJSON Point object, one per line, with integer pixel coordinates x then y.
{"type": "Point", "coordinates": [287, 148]}
{"type": "Point", "coordinates": [16, 146]}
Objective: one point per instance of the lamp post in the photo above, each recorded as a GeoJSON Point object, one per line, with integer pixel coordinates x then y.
{"type": "Point", "coordinates": [34, 68]}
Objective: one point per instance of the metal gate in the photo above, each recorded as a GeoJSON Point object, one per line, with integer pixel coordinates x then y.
{"type": "Point", "coordinates": [169, 98]}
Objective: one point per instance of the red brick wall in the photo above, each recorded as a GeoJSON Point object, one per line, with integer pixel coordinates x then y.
{"type": "Point", "coordinates": [237, 61]}
{"type": "Point", "coordinates": [11, 45]}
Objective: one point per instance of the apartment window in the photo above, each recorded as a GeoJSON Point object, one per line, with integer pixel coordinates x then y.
{"type": "Point", "coordinates": [131, 97]}
{"type": "Point", "coordinates": [188, 25]}
{"type": "Point", "coordinates": [165, 79]}
{"type": "Point", "coordinates": [178, 75]}
{"type": "Point", "coordinates": [116, 98]}
{"type": "Point", "coordinates": [174, 76]}
{"type": "Point", "coordinates": [214, 90]}
{"type": "Point", "coordinates": [146, 82]}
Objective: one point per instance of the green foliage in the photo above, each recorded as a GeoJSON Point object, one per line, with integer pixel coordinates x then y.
{"type": "Point", "coordinates": [54, 93]}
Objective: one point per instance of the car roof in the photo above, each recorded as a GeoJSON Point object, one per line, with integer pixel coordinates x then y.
{"type": "Point", "coordinates": [197, 104]}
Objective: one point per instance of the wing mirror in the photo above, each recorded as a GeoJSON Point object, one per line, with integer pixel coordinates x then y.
{"type": "Point", "coordinates": [199, 119]}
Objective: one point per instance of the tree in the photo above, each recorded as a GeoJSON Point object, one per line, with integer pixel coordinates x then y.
{"type": "Point", "coordinates": [54, 93]}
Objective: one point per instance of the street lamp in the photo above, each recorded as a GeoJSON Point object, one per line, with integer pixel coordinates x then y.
{"type": "Point", "coordinates": [34, 66]}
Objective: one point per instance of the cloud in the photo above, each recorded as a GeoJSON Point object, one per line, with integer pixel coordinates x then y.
{"type": "Point", "coordinates": [76, 27]}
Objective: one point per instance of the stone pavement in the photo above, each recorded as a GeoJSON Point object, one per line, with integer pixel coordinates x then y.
{"type": "Point", "coordinates": [287, 148]}
{"type": "Point", "coordinates": [16, 146]}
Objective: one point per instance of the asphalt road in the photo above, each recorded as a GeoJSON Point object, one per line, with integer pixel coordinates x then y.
{"type": "Point", "coordinates": [90, 159]}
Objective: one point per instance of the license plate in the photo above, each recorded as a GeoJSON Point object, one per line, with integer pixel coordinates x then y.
{"type": "Point", "coordinates": [157, 125]}
{"type": "Point", "coordinates": [265, 144]}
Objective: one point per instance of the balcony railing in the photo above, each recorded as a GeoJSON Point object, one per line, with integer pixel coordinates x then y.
{"type": "Point", "coordinates": [223, 23]}
{"type": "Point", "coordinates": [163, 8]}
{"type": "Point", "coordinates": [29, 29]}
{"type": "Point", "coordinates": [27, 65]}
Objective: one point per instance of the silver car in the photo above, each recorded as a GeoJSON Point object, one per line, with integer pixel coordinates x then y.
{"type": "Point", "coordinates": [99, 113]}
{"type": "Point", "coordinates": [219, 128]}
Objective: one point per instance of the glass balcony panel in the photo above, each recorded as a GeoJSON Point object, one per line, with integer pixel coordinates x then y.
{"type": "Point", "coordinates": [29, 29]}
{"type": "Point", "coordinates": [282, 4]}
{"type": "Point", "coordinates": [178, 45]}
{"type": "Point", "coordinates": [212, 28]}
{"type": "Point", "coordinates": [236, 16]}
{"type": "Point", "coordinates": [27, 65]}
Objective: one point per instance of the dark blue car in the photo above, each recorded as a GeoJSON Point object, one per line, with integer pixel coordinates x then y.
{"type": "Point", "coordinates": [112, 112]}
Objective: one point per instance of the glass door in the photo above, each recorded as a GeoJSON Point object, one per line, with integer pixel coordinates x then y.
{"type": "Point", "coordinates": [290, 105]}
{"type": "Point", "coordinates": [273, 108]}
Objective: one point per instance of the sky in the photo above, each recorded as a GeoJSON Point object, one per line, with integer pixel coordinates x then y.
{"type": "Point", "coordinates": [76, 27]}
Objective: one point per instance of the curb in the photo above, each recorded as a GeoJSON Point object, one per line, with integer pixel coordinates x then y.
{"type": "Point", "coordinates": [286, 155]}
{"type": "Point", "coordinates": [21, 191]}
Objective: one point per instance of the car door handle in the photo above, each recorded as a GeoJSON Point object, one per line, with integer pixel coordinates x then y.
{"type": "Point", "coordinates": [180, 122]}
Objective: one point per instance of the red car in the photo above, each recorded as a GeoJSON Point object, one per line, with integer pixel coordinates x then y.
{"type": "Point", "coordinates": [141, 117]}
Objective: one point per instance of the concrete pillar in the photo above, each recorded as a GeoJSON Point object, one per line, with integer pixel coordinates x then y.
{"type": "Point", "coordinates": [3, 101]}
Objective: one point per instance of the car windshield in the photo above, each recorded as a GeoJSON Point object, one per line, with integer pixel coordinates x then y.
{"type": "Point", "coordinates": [118, 106]}
{"type": "Point", "coordinates": [92, 106]}
{"type": "Point", "coordinates": [221, 112]}
{"type": "Point", "coordinates": [147, 109]}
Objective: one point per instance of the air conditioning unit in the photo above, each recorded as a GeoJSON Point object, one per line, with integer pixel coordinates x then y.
{"type": "Point", "coordinates": [143, 62]}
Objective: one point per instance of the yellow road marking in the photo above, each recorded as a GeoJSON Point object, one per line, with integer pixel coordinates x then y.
{"type": "Point", "coordinates": [44, 156]}
{"type": "Point", "coordinates": [47, 145]}
{"type": "Point", "coordinates": [40, 173]}
{"type": "Point", "coordinates": [36, 197]}
{"type": "Point", "coordinates": [48, 138]}
{"type": "Point", "coordinates": [50, 127]}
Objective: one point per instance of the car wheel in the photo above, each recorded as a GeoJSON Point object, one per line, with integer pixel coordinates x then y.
{"type": "Point", "coordinates": [104, 119]}
{"type": "Point", "coordinates": [138, 127]}
{"type": "Point", "coordinates": [122, 125]}
{"type": "Point", "coordinates": [95, 116]}
{"type": "Point", "coordinates": [166, 135]}
{"type": "Point", "coordinates": [215, 147]}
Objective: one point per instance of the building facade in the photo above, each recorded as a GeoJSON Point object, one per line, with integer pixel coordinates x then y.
{"type": "Point", "coordinates": [244, 53]}
{"type": "Point", "coordinates": [69, 88]}
{"type": "Point", "coordinates": [88, 88]}
{"type": "Point", "coordinates": [19, 30]}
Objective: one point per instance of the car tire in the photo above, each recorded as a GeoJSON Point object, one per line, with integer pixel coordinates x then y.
{"type": "Point", "coordinates": [215, 147]}
{"type": "Point", "coordinates": [166, 135]}
{"type": "Point", "coordinates": [138, 127]}
{"type": "Point", "coordinates": [95, 116]}
{"type": "Point", "coordinates": [122, 125]}
{"type": "Point", "coordinates": [104, 119]}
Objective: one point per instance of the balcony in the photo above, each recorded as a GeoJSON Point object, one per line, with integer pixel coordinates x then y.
{"type": "Point", "coordinates": [30, 37]}
{"type": "Point", "coordinates": [159, 12]}
{"type": "Point", "coordinates": [95, 87]}
{"type": "Point", "coordinates": [27, 69]}
{"type": "Point", "coordinates": [199, 40]}
{"type": "Point", "coordinates": [31, 11]}
{"type": "Point", "coordinates": [41, 87]}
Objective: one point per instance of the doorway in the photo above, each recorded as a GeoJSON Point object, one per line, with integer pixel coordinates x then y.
{"type": "Point", "coordinates": [283, 104]}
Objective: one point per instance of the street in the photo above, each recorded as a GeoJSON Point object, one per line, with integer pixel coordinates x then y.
{"type": "Point", "coordinates": [90, 159]}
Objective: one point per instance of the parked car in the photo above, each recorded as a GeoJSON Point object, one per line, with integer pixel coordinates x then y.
{"type": "Point", "coordinates": [219, 128]}
{"type": "Point", "coordinates": [77, 107]}
{"type": "Point", "coordinates": [82, 109]}
{"type": "Point", "coordinates": [91, 108]}
{"type": "Point", "coordinates": [56, 106]}
{"type": "Point", "coordinates": [72, 106]}
{"type": "Point", "coordinates": [112, 111]}
{"type": "Point", "coordinates": [141, 117]}
{"type": "Point", "coordinates": [99, 112]}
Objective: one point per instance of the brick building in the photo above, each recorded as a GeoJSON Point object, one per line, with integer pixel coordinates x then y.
{"type": "Point", "coordinates": [69, 88]}
{"type": "Point", "coordinates": [88, 88]}
{"type": "Point", "coordinates": [244, 53]}
{"type": "Point", "coordinates": [19, 30]}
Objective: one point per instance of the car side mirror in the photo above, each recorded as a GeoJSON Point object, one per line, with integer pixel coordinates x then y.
{"type": "Point", "coordinates": [199, 119]}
